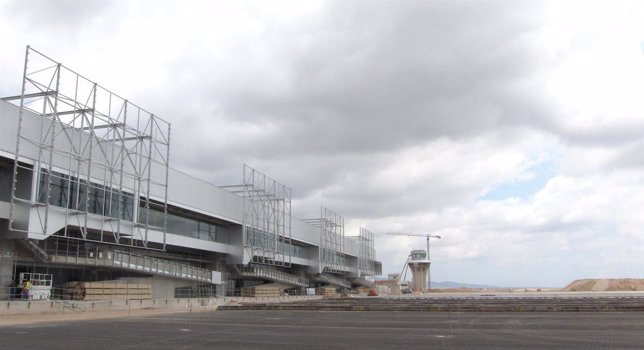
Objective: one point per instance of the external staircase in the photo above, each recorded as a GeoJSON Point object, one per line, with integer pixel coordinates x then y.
{"type": "Point", "coordinates": [120, 260]}
{"type": "Point", "coordinates": [271, 273]}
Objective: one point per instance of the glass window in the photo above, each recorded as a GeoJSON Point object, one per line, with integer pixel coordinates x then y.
{"type": "Point", "coordinates": [185, 226]}
{"type": "Point", "coordinates": [6, 181]}
{"type": "Point", "coordinates": [69, 192]}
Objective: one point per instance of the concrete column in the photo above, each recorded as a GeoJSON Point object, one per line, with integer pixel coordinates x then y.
{"type": "Point", "coordinates": [419, 274]}
{"type": "Point", "coordinates": [7, 259]}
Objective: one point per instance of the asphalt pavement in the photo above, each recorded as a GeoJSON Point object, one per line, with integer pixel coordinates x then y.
{"type": "Point", "coordinates": [336, 330]}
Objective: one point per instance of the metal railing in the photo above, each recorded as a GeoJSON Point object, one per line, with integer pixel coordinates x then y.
{"type": "Point", "coordinates": [159, 266]}
{"type": "Point", "coordinates": [295, 291]}
{"type": "Point", "coordinates": [271, 273]}
{"type": "Point", "coordinates": [89, 255]}
{"type": "Point", "coordinates": [323, 277]}
{"type": "Point", "coordinates": [66, 296]}
{"type": "Point", "coordinates": [35, 249]}
{"type": "Point", "coordinates": [362, 281]}
{"type": "Point", "coordinates": [198, 291]}
{"type": "Point", "coordinates": [61, 295]}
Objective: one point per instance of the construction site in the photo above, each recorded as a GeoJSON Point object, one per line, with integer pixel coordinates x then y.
{"type": "Point", "coordinates": [91, 210]}
{"type": "Point", "coordinates": [94, 222]}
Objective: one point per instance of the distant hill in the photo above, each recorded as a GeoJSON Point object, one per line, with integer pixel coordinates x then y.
{"type": "Point", "coordinates": [606, 285]}
{"type": "Point", "coordinates": [451, 285]}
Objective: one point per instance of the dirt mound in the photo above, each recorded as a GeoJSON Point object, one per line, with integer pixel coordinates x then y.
{"type": "Point", "coordinates": [606, 285]}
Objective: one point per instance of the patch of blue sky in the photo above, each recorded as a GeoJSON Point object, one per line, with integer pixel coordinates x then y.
{"type": "Point", "coordinates": [524, 188]}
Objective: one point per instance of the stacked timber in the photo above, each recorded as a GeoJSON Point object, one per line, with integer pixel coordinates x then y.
{"type": "Point", "coordinates": [363, 290]}
{"type": "Point", "coordinates": [262, 290]}
{"type": "Point", "coordinates": [107, 290]}
{"type": "Point", "coordinates": [72, 291]}
{"type": "Point", "coordinates": [326, 291]}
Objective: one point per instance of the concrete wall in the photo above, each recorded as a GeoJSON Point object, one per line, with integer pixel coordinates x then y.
{"type": "Point", "coordinates": [162, 287]}
{"type": "Point", "coordinates": [123, 307]}
{"type": "Point", "coordinates": [6, 274]}
{"type": "Point", "coordinates": [69, 308]}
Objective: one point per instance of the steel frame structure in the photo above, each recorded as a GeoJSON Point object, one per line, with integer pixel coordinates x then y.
{"type": "Point", "coordinates": [115, 155]}
{"type": "Point", "coordinates": [367, 252]}
{"type": "Point", "coordinates": [331, 240]}
{"type": "Point", "coordinates": [267, 219]}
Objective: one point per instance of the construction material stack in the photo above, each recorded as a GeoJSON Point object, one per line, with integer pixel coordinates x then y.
{"type": "Point", "coordinates": [327, 291]}
{"type": "Point", "coordinates": [263, 290]}
{"type": "Point", "coordinates": [107, 290]}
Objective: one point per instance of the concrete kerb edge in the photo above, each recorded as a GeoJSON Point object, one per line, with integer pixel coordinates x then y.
{"type": "Point", "coordinates": [23, 311]}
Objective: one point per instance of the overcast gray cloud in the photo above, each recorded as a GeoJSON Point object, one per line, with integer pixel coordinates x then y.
{"type": "Point", "coordinates": [397, 74]}
{"type": "Point", "coordinates": [512, 128]}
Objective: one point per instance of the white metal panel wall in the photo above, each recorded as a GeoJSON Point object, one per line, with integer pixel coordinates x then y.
{"type": "Point", "coordinates": [301, 231]}
{"type": "Point", "coordinates": [352, 246]}
{"type": "Point", "coordinates": [9, 129]}
{"type": "Point", "coordinates": [9, 116]}
{"type": "Point", "coordinates": [200, 196]}
{"type": "Point", "coordinates": [183, 189]}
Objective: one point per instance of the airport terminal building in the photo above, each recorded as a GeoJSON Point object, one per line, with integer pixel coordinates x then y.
{"type": "Point", "coordinates": [87, 194]}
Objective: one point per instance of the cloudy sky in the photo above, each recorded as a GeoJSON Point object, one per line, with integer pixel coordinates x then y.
{"type": "Point", "coordinates": [515, 129]}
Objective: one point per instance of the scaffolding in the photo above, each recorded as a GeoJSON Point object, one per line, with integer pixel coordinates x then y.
{"type": "Point", "coordinates": [367, 253]}
{"type": "Point", "coordinates": [332, 240]}
{"type": "Point", "coordinates": [98, 160]}
{"type": "Point", "coordinates": [267, 219]}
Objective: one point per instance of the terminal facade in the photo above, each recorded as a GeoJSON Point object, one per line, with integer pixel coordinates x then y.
{"type": "Point", "coordinates": [87, 194]}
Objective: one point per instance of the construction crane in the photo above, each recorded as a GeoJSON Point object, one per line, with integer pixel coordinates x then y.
{"type": "Point", "coordinates": [428, 236]}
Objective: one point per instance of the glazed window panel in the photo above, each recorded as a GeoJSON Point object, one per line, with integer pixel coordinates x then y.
{"type": "Point", "coordinates": [186, 227]}
{"type": "Point", "coordinates": [68, 192]}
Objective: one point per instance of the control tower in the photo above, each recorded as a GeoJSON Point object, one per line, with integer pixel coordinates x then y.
{"type": "Point", "coordinates": [419, 266]}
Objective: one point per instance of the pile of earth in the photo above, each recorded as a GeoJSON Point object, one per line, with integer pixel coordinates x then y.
{"type": "Point", "coordinates": [606, 285]}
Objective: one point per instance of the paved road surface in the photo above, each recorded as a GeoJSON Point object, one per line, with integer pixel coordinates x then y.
{"type": "Point", "coordinates": [336, 330]}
